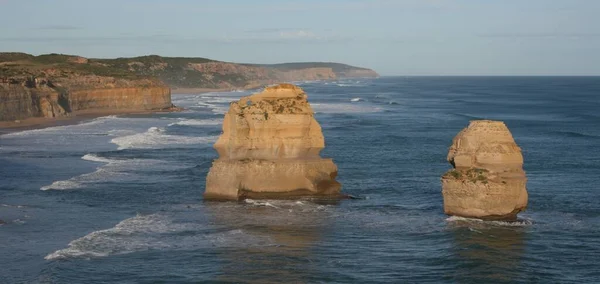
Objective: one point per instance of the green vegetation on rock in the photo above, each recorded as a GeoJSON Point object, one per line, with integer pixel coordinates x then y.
{"type": "Point", "coordinates": [177, 72]}
{"type": "Point", "coordinates": [473, 175]}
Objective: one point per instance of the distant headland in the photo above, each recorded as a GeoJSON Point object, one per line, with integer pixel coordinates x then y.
{"type": "Point", "coordinates": [34, 88]}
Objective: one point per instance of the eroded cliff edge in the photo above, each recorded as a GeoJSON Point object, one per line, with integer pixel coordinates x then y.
{"type": "Point", "coordinates": [270, 149]}
{"type": "Point", "coordinates": [194, 73]}
{"type": "Point", "coordinates": [488, 181]}
{"type": "Point", "coordinates": [56, 85]}
{"type": "Point", "coordinates": [60, 86]}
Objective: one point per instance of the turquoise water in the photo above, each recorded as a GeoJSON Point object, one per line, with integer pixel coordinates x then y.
{"type": "Point", "coordinates": [119, 198]}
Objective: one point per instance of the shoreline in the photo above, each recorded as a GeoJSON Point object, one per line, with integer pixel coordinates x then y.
{"type": "Point", "coordinates": [189, 91]}
{"type": "Point", "coordinates": [33, 123]}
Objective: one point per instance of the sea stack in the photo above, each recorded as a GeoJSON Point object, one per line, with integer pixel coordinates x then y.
{"type": "Point", "coordinates": [270, 149]}
{"type": "Point", "coordinates": [488, 181]}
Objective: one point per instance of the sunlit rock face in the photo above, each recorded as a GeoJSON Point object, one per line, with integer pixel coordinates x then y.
{"type": "Point", "coordinates": [270, 149]}
{"type": "Point", "coordinates": [488, 181]}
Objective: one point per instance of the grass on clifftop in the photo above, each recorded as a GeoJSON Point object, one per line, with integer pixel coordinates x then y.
{"type": "Point", "coordinates": [59, 65]}
{"type": "Point", "coordinates": [177, 72]}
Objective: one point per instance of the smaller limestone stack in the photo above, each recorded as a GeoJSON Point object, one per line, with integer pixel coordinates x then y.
{"type": "Point", "coordinates": [270, 149]}
{"type": "Point", "coordinates": [488, 181]}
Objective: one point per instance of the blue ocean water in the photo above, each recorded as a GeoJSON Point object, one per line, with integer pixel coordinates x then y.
{"type": "Point", "coordinates": [118, 199]}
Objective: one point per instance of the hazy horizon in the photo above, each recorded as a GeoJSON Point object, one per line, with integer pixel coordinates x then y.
{"type": "Point", "coordinates": [403, 37]}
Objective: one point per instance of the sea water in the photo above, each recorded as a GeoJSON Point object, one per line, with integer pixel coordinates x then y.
{"type": "Point", "coordinates": [119, 198]}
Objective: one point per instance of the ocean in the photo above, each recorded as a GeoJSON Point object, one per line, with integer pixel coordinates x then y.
{"type": "Point", "coordinates": [118, 199]}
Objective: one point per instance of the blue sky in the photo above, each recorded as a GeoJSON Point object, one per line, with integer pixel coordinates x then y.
{"type": "Point", "coordinates": [394, 37]}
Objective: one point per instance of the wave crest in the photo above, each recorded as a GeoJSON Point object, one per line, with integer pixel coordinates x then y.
{"type": "Point", "coordinates": [153, 232]}
{"type": "Point", "coordinates": [156, 138]}
{"type": "Point", "coordinates": [517, 223]}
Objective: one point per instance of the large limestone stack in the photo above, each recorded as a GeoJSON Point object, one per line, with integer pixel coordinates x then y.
{"type": "Point", "coordinates": [270, 149]}
{"type": "Point", "coordinates": [488, 181]}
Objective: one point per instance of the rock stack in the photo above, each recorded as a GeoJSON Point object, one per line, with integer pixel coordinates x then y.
{"type": "Point", "coordinates": [270, 149]}
{"type": "Point", "coordinates": [488, 181]}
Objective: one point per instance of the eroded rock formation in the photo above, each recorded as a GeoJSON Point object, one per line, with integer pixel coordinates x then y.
{"type": "Point", "coordinates": [270, 149]}
{"type": "Point", "coordinates": [55, 85]}
{"type": "Point", "coordinates": [26, 97]}
{"type": "Point", "coordinates": [488, 181]}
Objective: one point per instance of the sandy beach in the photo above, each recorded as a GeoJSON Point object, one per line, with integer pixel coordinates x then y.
{"type": "Point", "coordinates": [77, 117]}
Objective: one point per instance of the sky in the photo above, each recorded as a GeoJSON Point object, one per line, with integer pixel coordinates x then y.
{"type": "Point", "coordinates": [394, 37]}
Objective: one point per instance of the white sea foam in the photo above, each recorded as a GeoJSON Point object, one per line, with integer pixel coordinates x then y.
{"type": "Point", "coordinates": [13, 206]}
{"type": "Point", "coordinates": [95, 158]}
{"type": "Point", "coordinates": [260, 203]}
{"type": "Point", "coordinates": [344, 108]}
{"type": "Point", "coordinates": [116, 240]}
{"type": "Point", "coordinates": [356, 100]}
{"type": "Point", "coordinates": [349, 84]}
{"type": "Point", "coordinates": [156, 138]}
{"type": "Point", "coordinates": [101, 174]}
{"type": "Point", "coordinates": [215, 108]}
{"type": "Point", "coordinates": [152, 232]}
{"type": "Point", "coordinates": [113, 170]}
{"type": "Point", "coordinates": [518, 223]}
{"type": "Point", "coordinates": [220, 99]}
{"type": "Point", "coordinates": [62, 185]}
{"type": "Point", "coordinates": [198, 122]}
{"type": "Point", "coordinates": [291, 205]}
{"type": "Point", "coordinates": [79, 129]}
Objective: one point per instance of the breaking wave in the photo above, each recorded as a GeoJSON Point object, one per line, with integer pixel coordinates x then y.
{"type": "Point", "coordinates": [62, 185]}
{"type": "Point", "coordinates": [95, 158]}
{"type": "Point", "coordinates": [157, 138]}
{"type": "Point", "coordinates": [288, 205]}
{"type": "Point", "coordinates": [198, 122]}
{"type": "Point", "coordinates": [153, 232]}
{"type": "Point", "coordinates": [518, 223]}
{"type": "Point", "coordinates": [121, 170]}
{"type": "Point", "coordinates": [80, 129]}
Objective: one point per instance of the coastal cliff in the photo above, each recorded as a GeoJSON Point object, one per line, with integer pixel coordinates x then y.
{"type": "Point", "coordinates": [182, 72]}
{"type": "Point", "coordinates": [270, 149]}
{"type": "Point", "coordinates": [488, 181]}
{"type": "Point", "coordinates": [20, 101]}
{"type": "Point", "coordinates": [56, 85]}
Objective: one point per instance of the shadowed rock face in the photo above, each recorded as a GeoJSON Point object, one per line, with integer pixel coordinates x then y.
{"type": "Point", "coordinates": [488, 181]}
{"type": "Point", "coordinates": [270, 149]}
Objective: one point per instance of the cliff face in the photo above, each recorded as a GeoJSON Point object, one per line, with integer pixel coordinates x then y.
{"type": "Point", "coordinates": [132, 98]}
{"type": "Point", "coordinates": [65, 85]}
{"type": "Point", "coordinates": [488, 180]}
{"type": "Point", "coordinates": [333, 70]}
{"type": "Point", "coordinates": [56, 85]}
{"type": "Point", "coordinates": [18, 102]}
{"type": "Point", "coordinates": [270, 149]}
